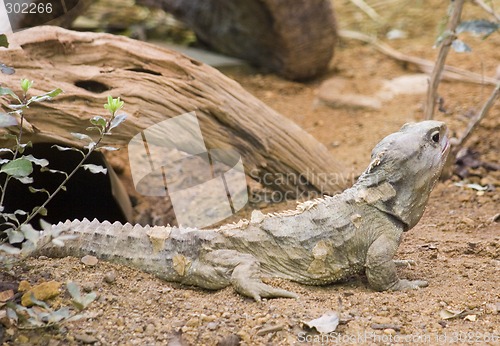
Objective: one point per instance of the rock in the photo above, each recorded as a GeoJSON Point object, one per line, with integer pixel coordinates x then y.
{"type": "Point", "coordinates": [86, 339]}
{"type": "Point", "coordinates": [381, 320]}
{"type": "Point", "coordinates": [150, 329]}
{"type": "Point", "coordinates": [43, 291]}
{"type": "Point", "coordinates": [389, 331]}
{"type": "Point", "coordinates": [89, 260]}
{"type": "Point", "coordinates": [403, 85]}
{"type": "Point", "coordinates": [333, 93]}
{"type": "Point", "coordinates": [110, 277]}
{"type": "Point", "coordinates": [230, 340]}
{"type": "Point", "coordinates": [22, 339]}
{"type": "Point", "coordinates": [24, 286]}
{"type": "Point", "coordinates": [212, 325]}
{"type": "Point", "coordinates": [88, 286]}
{"type": "Point", "coordinates": [193, 322]}
{"type": "Point", "coordinates": [492, 308]}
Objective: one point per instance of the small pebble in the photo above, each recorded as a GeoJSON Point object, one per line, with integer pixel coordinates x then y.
{"type": "Point", "coordinates": [86, 339]}
{"type": "Point", "coordinates": [88, 286]}
{"type": "Point", "coordinates": [89, 260]}
{"type": "Point", "coordinates": [212, 325]}
{"type": "Point", "coordinates": [389, 331]}
{"type": "Point", "coordinates": [150, 329]}
{"type": "Point", "coordinates": [110, 277]}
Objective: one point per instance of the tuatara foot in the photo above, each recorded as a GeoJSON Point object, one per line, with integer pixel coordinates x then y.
{"type": "Point", "coordinates": [246, 281]}
{"type": "Point", "coordinates": [221, 268]}
{"type": "Point", "coordinates": [404, 263]}
{"type": "Point", "coordinates": [403, 285]}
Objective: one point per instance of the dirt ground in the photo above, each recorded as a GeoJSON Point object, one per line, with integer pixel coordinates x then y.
{"type": "Point", "coordinates": [456, 245]}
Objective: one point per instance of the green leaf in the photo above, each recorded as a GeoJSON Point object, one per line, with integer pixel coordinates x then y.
{"type": "Point", "coordinates": [18, 168]}
{"type": "Point", "coordinates": [7, 91]}
{"type": "Point", "coordinates": [45, 169]}
{"type": "Point", "coordinates": [10, 216]}
{"type": "Point", "coordinates": [33, 190]}
{"type": "Point", "coordinates": [478, 27]}
{"type": "Point", "coordinates": [89, 298]}
{"type": "Point", "coordinates": [9, 249]}
{"type": "Point", "coordinates": [26, 84]}
{"type": "Point", "coordinates": [117, 120]}
{"type": "Point", "coordinates": [30, 233]}
{"type": "Point", "coordinates": [6, 150]}
{"type": "Point", "coordinates": [3, 41]}
{"type": "Point", "coordinates": [114, 105]}
{"type": "Point", "coordinates": [95, 168]}
{"type": "Point", "coordinates": [460, 46]}
{"type": "Point", "coordinates": [7, 120]}
{"type": "Point", "coordinates": [61, 148]}
{"type": "Point", "coordinates": [42, 211]}
{"type": "Point", "coordinates": [38, 302]}
{"type": "Point", "coordinates": [38, 162]}
{"type": "Point", "coordinates": [74, 290]}
{"type": "Point", "coordinates": [14, 236]}
{"type": "Point", "coordinates": [98, 121]}
{"type": "Point", "coordinates": [90, 146]}
{"type": "Point", "coordinates": [81, 136]}
{"type": "Point", "coordinates": [24, 180]}
{"type": "Point", "coordinates": [44, 97]}
{"type": "Point", "coordinates": [59, 315]}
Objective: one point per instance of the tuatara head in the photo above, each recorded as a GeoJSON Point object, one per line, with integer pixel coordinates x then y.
{"type": "Point", "coordinates": [404, 168]}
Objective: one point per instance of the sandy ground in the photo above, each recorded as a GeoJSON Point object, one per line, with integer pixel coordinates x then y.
{"type": "Point", "coordinates": [456, 245]}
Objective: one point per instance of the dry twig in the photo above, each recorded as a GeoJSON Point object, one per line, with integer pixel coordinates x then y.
{"type": "Point", "coordinates": [424, 65]}
{"type": "Point", "coordinates": [449, 37]}
{"type": "Point", "coordinates": [488, 9]}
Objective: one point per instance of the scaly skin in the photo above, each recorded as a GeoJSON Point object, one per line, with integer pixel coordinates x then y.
{"type": "Point", "coordinates": [321, 242]}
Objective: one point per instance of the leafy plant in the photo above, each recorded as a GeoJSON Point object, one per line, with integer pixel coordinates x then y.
{"type": "Point", "coordinates": [18, 238]}
{"type": "Point", "coordinates": [16, 226]}
{"type": "Point", "coordinates": [41, 315]}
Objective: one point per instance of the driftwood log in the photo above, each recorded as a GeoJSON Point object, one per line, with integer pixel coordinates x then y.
{"type": "Point", "coordinates": [293, 38]}
{"type": "Point", "coordinates": [159, 84]}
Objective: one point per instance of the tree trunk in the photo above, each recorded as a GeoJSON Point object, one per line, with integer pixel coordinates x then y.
{"type": "Point", "coordinates": [293, 38]}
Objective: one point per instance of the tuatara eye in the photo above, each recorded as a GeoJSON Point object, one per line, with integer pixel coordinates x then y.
{"type": "Point", "coordinates": [435, 137]}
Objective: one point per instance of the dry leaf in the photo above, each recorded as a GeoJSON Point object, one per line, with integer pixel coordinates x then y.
{"type": "Point", "coordinates": [449, 314]}
{"type": "Point", "coordinates": [471, 318]}
{"type": "Point", "coordinates": [325, 324]}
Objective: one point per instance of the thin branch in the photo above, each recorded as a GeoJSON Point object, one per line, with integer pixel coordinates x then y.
{"type": "Point", "coordinates": [370, 12]}
{"type": "Point", "coordinates": [424, 65]}
{"type": "Point", "coordinates": [450, 36]}
{"type": "Point", "coordinates": [488, 9]}
{"type": "Point", "coordinates": [477, 119]}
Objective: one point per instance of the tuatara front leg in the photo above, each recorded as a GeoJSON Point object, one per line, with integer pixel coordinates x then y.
{"type": "Point", "coordinates": [221, 268]}
{"type": "Point", "coordinates": [381, 268]}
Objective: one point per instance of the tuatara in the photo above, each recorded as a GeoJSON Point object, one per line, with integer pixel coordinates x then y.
{"type": "Point", "coordinates": [321, 242]}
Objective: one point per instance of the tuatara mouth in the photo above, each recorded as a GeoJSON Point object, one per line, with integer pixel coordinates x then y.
{"type": "Point", "coordinates": [446, 147]}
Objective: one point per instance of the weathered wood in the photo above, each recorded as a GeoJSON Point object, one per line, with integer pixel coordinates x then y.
{"type": "Point", "coordinates": [293, 38]}
{"type": "Point", "coordinates": [158, 84]}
